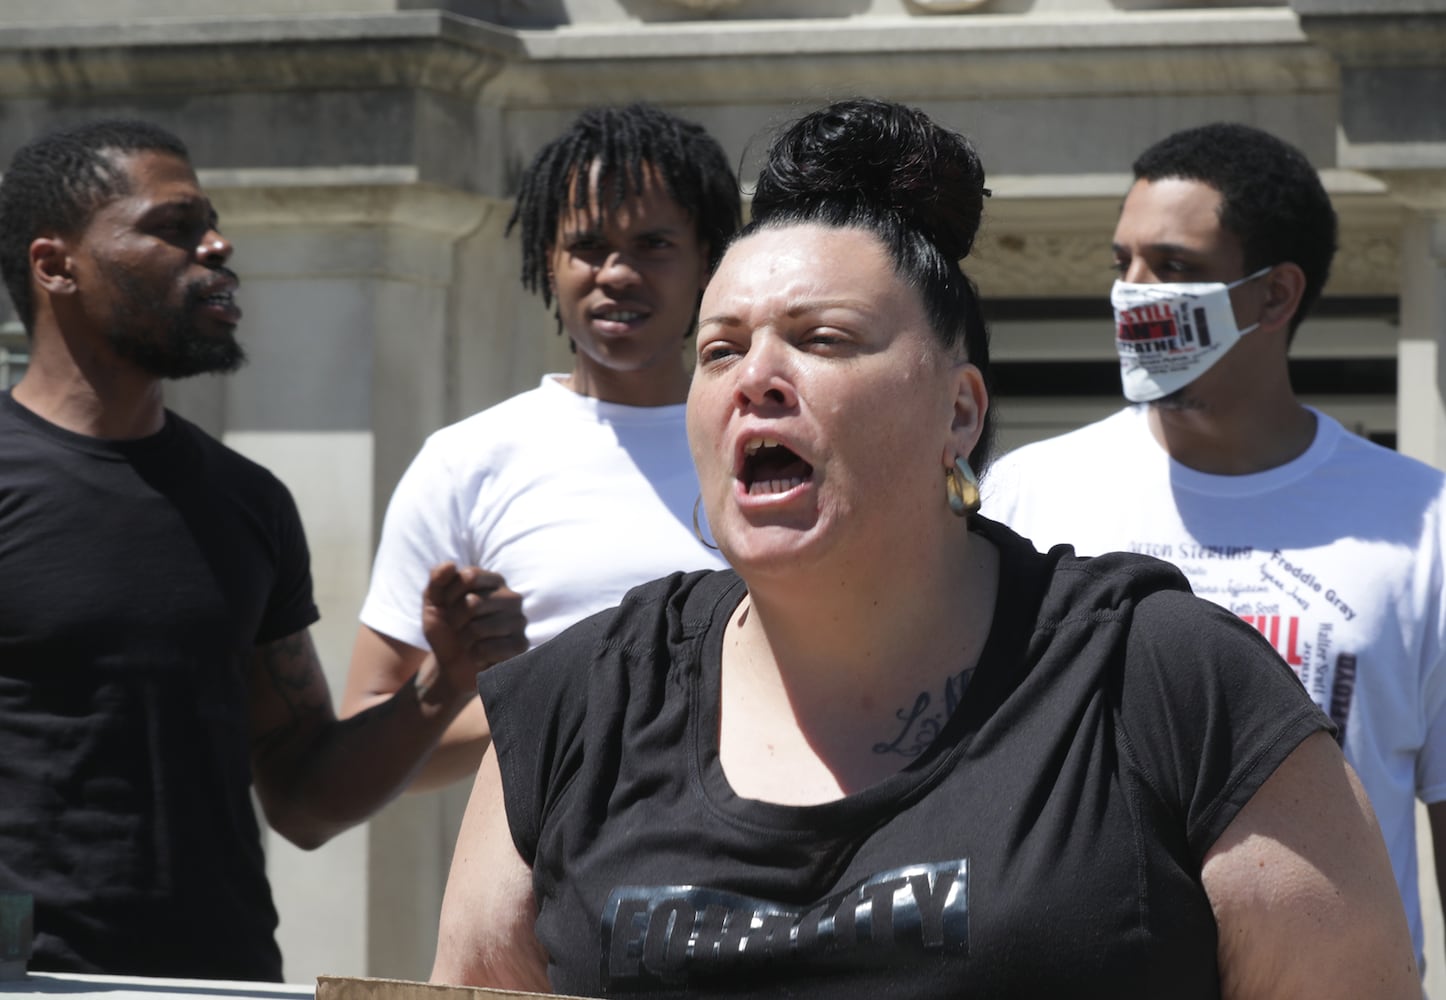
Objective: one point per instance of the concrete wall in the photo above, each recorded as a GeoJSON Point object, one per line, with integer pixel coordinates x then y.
{"type": "Point", "coordinates": [363, 154]}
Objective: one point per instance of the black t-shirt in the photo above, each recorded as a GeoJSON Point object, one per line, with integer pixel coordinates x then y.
{"type": "Point", "coordinates": [136, 578]}
{"type": "Point", "coordinates": [1048, 843]}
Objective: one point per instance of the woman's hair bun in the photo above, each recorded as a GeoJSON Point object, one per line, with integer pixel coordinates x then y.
{"type": "Point", "coordinates": [871, 155]}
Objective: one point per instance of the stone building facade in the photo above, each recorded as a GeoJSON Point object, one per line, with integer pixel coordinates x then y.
{"type": "Point", "coordinates": [363, 155]}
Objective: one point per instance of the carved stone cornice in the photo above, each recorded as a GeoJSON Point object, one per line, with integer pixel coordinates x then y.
{"type": "Point", "coordinates": [1145, 52]}
{"type": "Point", "coordinates": [467, 102]}
{"type": "Point", "coordinates": [1050, 236]}
{"type": "Point", "coordinates": [420, 50]}
{"type": "Point", "coordinates": [1010, 265]}
{"type": "Point", "coordinates": [343, 197]}
{"type": "Point", "coordinates": [1377, 33]}
{"type": "Point", "coordinates": [1392, 55]}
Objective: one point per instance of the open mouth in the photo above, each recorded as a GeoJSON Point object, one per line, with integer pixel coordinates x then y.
{"type": "Point", "coordinates": [219, 300]}
{"type": "Point", "coordinates": [616, 319]}
{"type": "Point", "coordinates": [771, 468]}
{"type": "Point", "coordinates": [620, 315]}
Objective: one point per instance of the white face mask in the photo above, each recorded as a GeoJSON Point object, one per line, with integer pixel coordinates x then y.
{"type": "Point", "coordinates": [1169, 335]}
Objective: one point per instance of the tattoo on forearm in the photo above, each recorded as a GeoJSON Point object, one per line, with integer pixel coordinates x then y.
{"type": "Point", "coordinates": [923, 721]}
{"type": "Point", "coordinates": [289, 667]}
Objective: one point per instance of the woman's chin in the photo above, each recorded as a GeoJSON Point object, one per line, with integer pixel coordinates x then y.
{"type": "Point", "coordinates": [772, 550]}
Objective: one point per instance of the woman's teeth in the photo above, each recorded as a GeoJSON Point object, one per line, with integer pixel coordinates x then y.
{"type": "Point", "coordinates": [767, 487]}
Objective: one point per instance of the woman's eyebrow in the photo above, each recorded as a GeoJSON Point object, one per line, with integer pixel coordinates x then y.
{"type": "Point", "coordinates": [721, 319]}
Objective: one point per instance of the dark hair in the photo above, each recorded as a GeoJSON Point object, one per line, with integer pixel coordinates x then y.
{"type": "Point", "coordinates": [55, 184]}
{"type": "Point", "coordinates": [1271, 197]}
{"type": "Point", "coordinates": [623, 141]}
{"type": "Point", "coordinates": [917, 186]}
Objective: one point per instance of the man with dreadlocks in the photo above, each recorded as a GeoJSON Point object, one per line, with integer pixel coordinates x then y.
{"type": "Point", "coordinates": [571, 493]}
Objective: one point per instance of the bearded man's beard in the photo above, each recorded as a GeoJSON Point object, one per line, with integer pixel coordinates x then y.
{"type": "Point", "coordinates": [1180, 400]}
{"type": "Point", "coordinates": [166, 342]}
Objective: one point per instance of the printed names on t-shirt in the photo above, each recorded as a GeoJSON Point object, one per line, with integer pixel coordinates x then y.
{"type": "Point", "coordinates": [1286, 601]}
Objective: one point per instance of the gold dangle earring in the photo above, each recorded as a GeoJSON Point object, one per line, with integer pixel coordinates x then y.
{"type": "Point", "coordinates": [961, 486]}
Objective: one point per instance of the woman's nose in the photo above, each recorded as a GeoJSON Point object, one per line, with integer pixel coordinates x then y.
{"type": "Point", "coordinates": [765, 379]}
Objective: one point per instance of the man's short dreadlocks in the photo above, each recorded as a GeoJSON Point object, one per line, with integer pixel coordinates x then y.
{"type": "Point", "coordinates": [623, 141]}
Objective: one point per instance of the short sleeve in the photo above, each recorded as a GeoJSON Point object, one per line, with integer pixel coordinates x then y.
{"type": "Point", "coordinates": [291, 606]}
{"type": "Point", "coordinates": [1208, 709]}
{"type": "Point", "coordinates": [423, 526]}
{"type": "Point", "coordinates": [1431, 758]}
{"type": "Point", "coordinates": [1430, 598]}
{"type": "Point", "coordinates": [536, 706]}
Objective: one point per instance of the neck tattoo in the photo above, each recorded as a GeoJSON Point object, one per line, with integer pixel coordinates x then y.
{"type": "Point", "coordinates": [923, 721]}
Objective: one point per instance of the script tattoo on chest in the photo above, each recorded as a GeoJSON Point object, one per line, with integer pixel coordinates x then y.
{"type": "Point", "coordinates": [925, 719]}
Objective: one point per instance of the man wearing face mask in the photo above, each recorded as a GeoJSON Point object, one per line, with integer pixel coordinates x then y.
{"type": "Point", "coordinates": [1331, 546]}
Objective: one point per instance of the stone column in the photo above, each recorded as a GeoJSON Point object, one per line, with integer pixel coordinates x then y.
{"type": "Point", "coordinates": [1390, 53]}
{"type": "Point", "coordinates": [351, 292]}
{"type": "Point", "coordinates": [500, 342]}
{"type": "Point", "coordinates": [1421, 387]}
{"type": "Point", "coordinates": [1421, 434]}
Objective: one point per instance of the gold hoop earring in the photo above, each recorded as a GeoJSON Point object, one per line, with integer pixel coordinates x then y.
{"type": "Point", "coordinates": [698, 529]}
{"type": "Point", "coordinates": [961, 487]}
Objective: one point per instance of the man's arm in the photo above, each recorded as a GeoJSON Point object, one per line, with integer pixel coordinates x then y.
{"type": "Point", "coordinates": [1303, 892]}
{"type": "Point", "coordinates": [488, 628]}
{"type": "Point", "coordinates": [1436, 812]}
{"type": "Point", "coordinates": [316, 776]}
{"type": "Point", "coordinates": [381, 666]}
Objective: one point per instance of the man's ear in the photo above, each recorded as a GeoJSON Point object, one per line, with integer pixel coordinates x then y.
{"type": "Point", "coordinates": [1284, 287]}
{"type": "Point", "coordinates": [51, 266]}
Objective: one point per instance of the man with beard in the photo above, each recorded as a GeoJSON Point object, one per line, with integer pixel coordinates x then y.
{"type": "Point", "coordinates": [155, 593]}
{"type": "Point", "coordinates": [1328, 544]}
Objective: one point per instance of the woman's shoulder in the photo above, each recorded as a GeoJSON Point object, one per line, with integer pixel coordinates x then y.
{"type": "Point", "coordinates": [1164, 629]}
{"type": "Point", "coordinates": [1114, 582]}
{"type": "Point", "coordinates": [1070, 587]}
{"type": "Point", "coordinates": [678, 608]}
{"type": "Point", "coordinates": [1202, 704]}
{"type": "Point", "coordinates": [1133, 622]}
{"type": "Point", "coordinates": [1134, 612]}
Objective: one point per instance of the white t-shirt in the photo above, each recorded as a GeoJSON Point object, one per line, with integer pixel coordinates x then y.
{"type": "Point", "coordinates": [573, 500]}
{"type": "Point", "coordinates": [1336, 557]}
